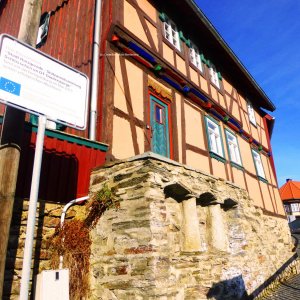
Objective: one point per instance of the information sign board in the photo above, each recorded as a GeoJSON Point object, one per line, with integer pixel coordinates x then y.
{"type": "Point", "coordinates": [37, 83]}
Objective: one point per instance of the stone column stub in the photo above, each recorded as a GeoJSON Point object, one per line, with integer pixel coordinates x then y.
{"type": "Point", "coordinates": [191, 232]}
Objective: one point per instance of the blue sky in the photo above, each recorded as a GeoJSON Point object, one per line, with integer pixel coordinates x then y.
{"type": "Point", "coordinates": [265, 37]}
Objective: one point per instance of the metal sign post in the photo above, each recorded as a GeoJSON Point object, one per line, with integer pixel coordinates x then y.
{"type": "Point", "coordinates": [34, 192]}
{"type": "Point", "coordinates": [39, 84]}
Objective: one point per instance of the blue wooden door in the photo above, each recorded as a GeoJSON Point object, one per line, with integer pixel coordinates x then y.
{"type": "Point", "coordinates": [160, 127]}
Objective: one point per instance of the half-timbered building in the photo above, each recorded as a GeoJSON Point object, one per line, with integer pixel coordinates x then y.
{"type": "Point", "coordinates": [174, 87]}
{"type": "Point", "coordinates": [168, 84]}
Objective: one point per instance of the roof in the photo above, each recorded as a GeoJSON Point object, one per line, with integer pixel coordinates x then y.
{"type": "Point", "coordinates": [268, 103]}
{"type": "Point", "coordinates": [190, 16]}
{"type": "Point", "coordinates": [290, 190]}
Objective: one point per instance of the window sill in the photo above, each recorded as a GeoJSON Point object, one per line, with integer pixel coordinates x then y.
{"type": "Point", "coordinates": [237, 166]}
{"type": "Point", "coordinates": [217, 157]}
{"type": "Point", "coordinates": [262, 179]}
{"type": "Point", "coordinates": [195, 68]}
{"type": "Point", "coordinates": [215, 86]}
{"type": "Point", "coordinates": [171, 45]}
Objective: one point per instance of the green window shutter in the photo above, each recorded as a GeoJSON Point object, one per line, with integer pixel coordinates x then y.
{"type": "Point", "coordinates": [208, 63]}
{"type": "Point", "coordinates": [34, 120]}
{"type": "Point", "coordinates": [181, 36]}
{"type": "Point", "coordinates": [163, 17]}
{"type": "Point", "coordinates": [219, 76]}
{"type": "Point", "coordinates": [203, 58]}
{"type": "Point", "coordinates": [60, 127]}
{"type": "Point", "coordinates": [187, 41]}
{"type": "Point", "coordinates": [157, 68]}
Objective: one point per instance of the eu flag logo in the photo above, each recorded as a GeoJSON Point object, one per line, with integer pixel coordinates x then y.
{"type": "Point", "coordinates": [10, 86]}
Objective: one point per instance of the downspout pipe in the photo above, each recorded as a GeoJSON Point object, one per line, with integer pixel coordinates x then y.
{"type": "Point", "coordinates": [62, 219]}
{"type": "Point", "coordinates": [95, 71]}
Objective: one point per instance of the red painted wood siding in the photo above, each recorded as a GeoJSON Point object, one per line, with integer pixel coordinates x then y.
{"type": "Point", "coordinates": [70, 37]}
{"type": "Point", "coordinates": [66, 168]}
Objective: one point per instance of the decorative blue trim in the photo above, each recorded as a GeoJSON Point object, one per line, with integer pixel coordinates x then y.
{"type": "Point", "coordinates": [186, 89]}
{"type": "Point", "coordinates": [198, 94]}
{"type": "Point", "coordinates": [235, 123]}
{"type": "Point", "coordinates": [213, 112]}
{"type": "Point", "coordinates": [171, 82]}
{"type": "Point", "coordinates": [141, 52]}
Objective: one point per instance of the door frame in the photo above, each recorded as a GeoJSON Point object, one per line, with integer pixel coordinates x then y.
{"type": "Point", "coordinates": [148, 121]}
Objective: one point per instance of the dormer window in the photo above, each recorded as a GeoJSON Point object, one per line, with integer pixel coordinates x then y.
{"type": "Point", "coordinates": [195, 57]}
{"type": "Point", "coordinates": [251, 113]}
{"type": "Point", "coordinates": [214, 76]}
{"type": "Point", "coordinates": [171, 33]}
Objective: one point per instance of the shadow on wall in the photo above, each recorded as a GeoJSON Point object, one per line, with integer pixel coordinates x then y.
{"type": "Point", "coordinates": [231, 289]}
{"type": "Point", "coordinates": [234, 288]}
{"type": "Point", "coordinates": [2, 5]}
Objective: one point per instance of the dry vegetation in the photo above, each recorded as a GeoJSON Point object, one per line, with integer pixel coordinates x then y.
{"type": "Point", "coordinates": [72, 241]}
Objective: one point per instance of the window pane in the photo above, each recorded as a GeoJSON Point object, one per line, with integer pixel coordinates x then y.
{"type": "Point", "coordinates": [234, 152]}
{"type": "Point", "coordinates": [214, 77]}
{"type": "Point", "coordinates": [195, 57]}
{"type": "Point", "coordinates": [251, 114]}
{"type": "Point", "coordinates": [158, 114]}
{"type": "Point", "coordinates": [214, 138]}
{"type": "Point", "coordinates": [258, 164]}
{"type": "Point", "coordinates": [171, 33]}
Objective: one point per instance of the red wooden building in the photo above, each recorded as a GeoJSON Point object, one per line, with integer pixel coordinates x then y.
{"type": "Point", "coordinates": [69, 154]}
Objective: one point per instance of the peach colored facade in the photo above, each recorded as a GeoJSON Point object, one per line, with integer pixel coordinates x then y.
{"type": "Point", "coordinates": [131, 83]}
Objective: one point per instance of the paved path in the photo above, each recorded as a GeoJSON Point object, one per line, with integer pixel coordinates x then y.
{"type": "Point", "coordinates": [289, 290]}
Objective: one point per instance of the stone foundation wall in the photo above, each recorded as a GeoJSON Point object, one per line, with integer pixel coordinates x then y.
{"type": "Point", "coordinates": [47, 218]}
{"type": "Point", "coordinates": [181, 234]}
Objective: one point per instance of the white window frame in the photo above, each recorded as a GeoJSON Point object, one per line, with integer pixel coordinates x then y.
{"type": "Point", "coordinates": [295, 207]}
{"type": "Point", "coordinates": [195, 57]}
{"type": "Point", "coordinates": [214, 137]}
{"type": "Point", "coordinates": [258, 164]}
{"type": "Point", "coordinates": [214, 77]}
{"type": "Point", "coordinates": [251, 113]}
{"type": "Point", "coordinates": [171, 33]}
{"type": "Point", "coordinates": [233, 148]}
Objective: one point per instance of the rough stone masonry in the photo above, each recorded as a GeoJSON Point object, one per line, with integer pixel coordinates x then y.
{"type": "Point", "coordinates": [181, 234]}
